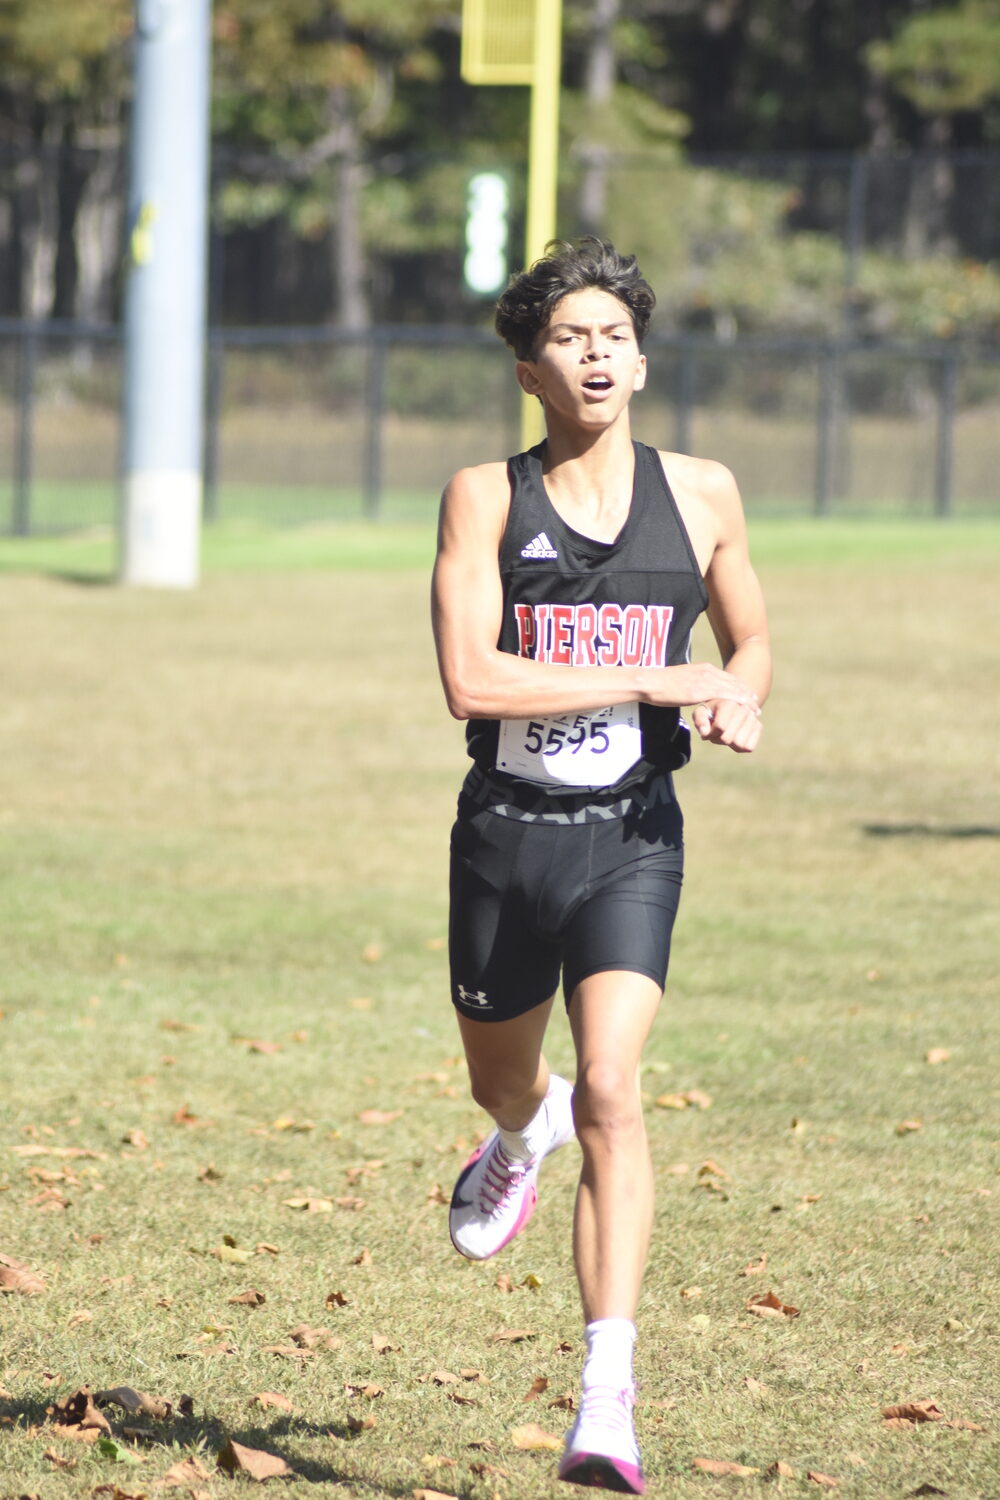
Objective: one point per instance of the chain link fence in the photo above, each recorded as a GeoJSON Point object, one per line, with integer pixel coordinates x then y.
{"type": "Point", "coordinates": [306, 425]}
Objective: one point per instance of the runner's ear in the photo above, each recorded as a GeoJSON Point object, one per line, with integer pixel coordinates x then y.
{"type": "Point", "coordinates": [527, 379]}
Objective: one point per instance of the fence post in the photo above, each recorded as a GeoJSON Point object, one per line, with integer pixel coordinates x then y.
{"type": "Point", "coordinates": [213, 403]}
{"type": "Point", "coordinates": [943, 465]}
{"type": "Point", "coordinates": [685, 397]}
{"type": "Point", "coordinates": [376, 416]}
{"type": "Point", "coordinates": [826, 421]}
{"type": "Point", "coordinates": [24, 443]}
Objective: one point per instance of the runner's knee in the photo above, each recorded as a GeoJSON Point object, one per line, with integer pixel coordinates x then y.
{"type": "Point", "coordinates": [606, 1104]}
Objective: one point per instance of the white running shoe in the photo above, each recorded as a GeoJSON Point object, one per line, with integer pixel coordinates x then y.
{"type": "Point", "coordinates": [601, 1449]}
{"type": "Point", "coordinates": [494, 1196]}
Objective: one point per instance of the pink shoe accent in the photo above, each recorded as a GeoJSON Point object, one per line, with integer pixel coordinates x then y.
{"type": "Point", "coordinates": [602, 1473]}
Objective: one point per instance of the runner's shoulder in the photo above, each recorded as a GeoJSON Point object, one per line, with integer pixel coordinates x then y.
{"type": "Point", "coordinates": [475, 503]}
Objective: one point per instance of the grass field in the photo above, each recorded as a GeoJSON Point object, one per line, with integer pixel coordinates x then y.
{"type": "Point", "coordinates": [228, 1066]}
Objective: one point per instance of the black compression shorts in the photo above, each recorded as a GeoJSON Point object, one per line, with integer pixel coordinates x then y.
{"type": "Point", "coordinates": [535, 893]}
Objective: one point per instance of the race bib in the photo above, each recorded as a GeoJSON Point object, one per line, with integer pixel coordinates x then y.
{"type": "Point", "coordinates": [592, 749]}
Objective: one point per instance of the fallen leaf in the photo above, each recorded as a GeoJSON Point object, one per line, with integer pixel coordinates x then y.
{"type": "Point", "coordinates": [305, 1337]}
{"type": "Point", "coordinates": [57, 1461]}
{"type": "Point", "coordinates": [275, 1399]}
{"type": "Point", "coordinates": [722, 1466]}
{"type": "Point", "coordinates": [485, 1471]}
{"type": "Point", "coordinates": [531, 1437]}
{"type": "Point", "coordinates": [565, 1402]}
{"type": "Point", "coordinates": [183, 1116]}
{"type": "Point", "coordinates": [755, 1267]}
{"type": "Point", "coordinates": [938, 1055]}
{"type": "Point", "coordinates": [514, 1335]}
{"type": "Point", "coordinates": [438, 1377]}
{"type": "Point", "coordinates": [15, 1276]}
{"type": "Point", "coordinates": [79, 1410]}
{"type": "Point", "coordinates": [770, 1306]}
{"type": "Point", "coordinates": [913, 1412]}
{"type": "Point", "coordinates": [310, 1205]}
{"type": "Point", "coordinates": [925, 1489]}
{"type": "Point", "coordinates": [461, 1400]}
{"type": "Point", "coordinates": [234, 1458]}
{"type": "Point", "coordinates": [905, 1127]}
{"type": "Point", "coordinates": [335, 1299]}
{"type": "Point", "coordinates": [250, 1298]}
{"type": "Point", "coordinates": [432, 1495]}
{"type": "Point", "coordinates": [254, 1044]}
{"type": "Point", "coordinates": [370, 1391]}
{"type": "Point", "coordinates": [825, 1479]}
{"type": "Point", "coordinates": [363, 1258]}
{"type": "Point", "coordinates": [188, 1472]}
{"type": "Point", "coordinates": [677, 1169]}
{"type": "Point", "coordinates": [755, 1387]}
{"type": "Point", "coordinates": [689, 1292]}
{"type": "Point", "coordinates": [117, 1452]}
{"type": "Point", "coordinates": [135, 1401]}
{"type": "Point", "coordinates": [538, 1388]}
{"type": "Point", "coordinates": [382, 1344]}
{"type": "Point", "coordinates": [178, 1026]}
{"type": "Point", "coordinates": [360, 1424]}
{"type": "Point", "coordinates": [210, 1174]}
{"type": "Point", "coordinates": [136, 1138]}
{"type": "Point", "coordinates": [712, 1169]}
{"type": "Point", "coordinates": [379, 1116]}
{"type": "Point", "coordinates": [504, 1282]}
{"type": "Point", "coordinates": [779, 1470]}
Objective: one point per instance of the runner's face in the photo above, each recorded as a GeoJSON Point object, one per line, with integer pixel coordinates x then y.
{"type": "Point", "coordinates": [587, 363]}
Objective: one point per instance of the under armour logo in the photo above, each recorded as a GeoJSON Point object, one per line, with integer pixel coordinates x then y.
{"type": "Point", "coordinates": [473, 997]}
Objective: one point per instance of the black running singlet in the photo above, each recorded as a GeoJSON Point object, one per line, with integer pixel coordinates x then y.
{"type": "Point", "coordinates": [574, 601]}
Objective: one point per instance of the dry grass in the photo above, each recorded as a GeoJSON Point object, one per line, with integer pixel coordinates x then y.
{"type": "Point", "coordinates": [229, 810]}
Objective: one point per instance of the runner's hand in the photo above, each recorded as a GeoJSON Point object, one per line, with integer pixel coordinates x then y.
{"type": "Point", "coordinates": [723, 722]}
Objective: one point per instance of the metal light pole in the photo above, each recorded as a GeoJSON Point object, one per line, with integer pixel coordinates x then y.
{"type": "Point", "coordinates": [520, 42]}
{"type": "Point", "coordinates": [165, 296]}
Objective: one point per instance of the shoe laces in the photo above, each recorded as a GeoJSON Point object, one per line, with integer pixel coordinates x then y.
{"type": "Point", "coordinates": [501, 1177]}
{"type": "Point", "coordinates": [608, 1406]}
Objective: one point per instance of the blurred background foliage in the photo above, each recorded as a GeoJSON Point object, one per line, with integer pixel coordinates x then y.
{"type": "Point", "coordinates": [822, 167]}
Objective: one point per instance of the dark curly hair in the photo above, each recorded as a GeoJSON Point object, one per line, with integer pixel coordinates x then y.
{"type": "Point", "coordinates": [526, 305]}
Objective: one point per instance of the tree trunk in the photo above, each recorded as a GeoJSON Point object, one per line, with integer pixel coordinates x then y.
{"type": "Point", "coordinates": [599, 85]}
{"type": "Point", "coordinates": [351, 308]}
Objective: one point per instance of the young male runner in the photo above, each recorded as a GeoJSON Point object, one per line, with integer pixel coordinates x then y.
{"type": "Point", "coordinates": [566, 584]}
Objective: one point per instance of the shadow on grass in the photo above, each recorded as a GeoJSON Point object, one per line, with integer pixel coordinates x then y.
{"type": "Point", "coordinates": [931, 831]}
{"type": "Point", "coordinates": [205, 1437]}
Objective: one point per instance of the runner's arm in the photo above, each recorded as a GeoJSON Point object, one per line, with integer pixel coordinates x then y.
{"type": "Point", "coordinates": [738, 619]}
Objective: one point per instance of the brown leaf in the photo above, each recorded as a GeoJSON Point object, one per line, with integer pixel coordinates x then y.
{"type": "Point", "coordinates": [461, 1400]}
{"type": "Point", "coordinates": [371, 1391]}
{"type": "Point", "coordinates": [421, 1494]}
{"type": "Point", "coordinates": [183, 1116]}
{"type": "Point", "coordinates": [755, 1267]}
{"type": "Point", "coordinates": [438, 1377]}
{"type": "Point", "coordinates": [913, 1412]}
{"type": "Point", "coordinates": [335, 1299]}
{"type": "Point", "coordinates": [268, 1399]}
{"type": "Point", "coordinates": [565, 1402]}
{"type": "Point", "coordinates": [310, 1205]}
{"type": "Point", "coordinates": [538, 1388]}
{"type": "Point", "coordinates": [178, 1026]}
{"type": "Point", "coordinates": [825, 1479]}
{"type": "Point", "coordinates": [531, 1437]}
{"type": "Point", "coordinates": [135, 1401]}
{"type": "Point", "coordinates": [925, 1489]}
{"type": "Point", "coordinates": [379, 1116]}
{"type": "Point", "coordinates": [188, 1472]}
{"type": "Point", "coordinates": [474, 1375]}
{"type": "Point", "coordinates": [779, 1470]}
{"type": "Point", "coordinates": [437, 1194]}
{"type": "Point", "coordinates": [485, 1471]}
{"type": "Point", "coordinates": [755, 1387]}
{"type": "Point", "coordinates": [136, 1138]}
{"type": "Point", "coordinates": [313, 1338]}
{"type": "Point", "coordinates": [363, 1258]}
{"type": "Point", "coordinates": [906, 1127]}
{"type": "Point", "coordinates": [360, 1424]}
{"type": "Point", "coordinates": [770, 1306]}
{"type": "Point", "coordinates": [504, 1282]}
{"type": "Point", "coordinates": [78, 1410]}
{"type": "Point", "coordinates": [514, 1335]}
{"type": "Point", "coordinates": [57, 1461]}
{"type": "Point", "coordinates": [254, 1044]}
{"type": "Point", "coordinates": [382, 1344]}
{"type": "Point", "coordinates": [250, 1298]}
{"type": "Point", "coordinates": [712, 1169]}
{"type": "Point", "coordinates": [938, 1055]}
{"type": "Point", "coordinates": [234, 1458]}
{"type": "Point", "coordinates": [689, 1293]}
{"type": "Point", "coordinates": [15, 1276]}
{"type": "Point", "coordinates": [722, 1466]}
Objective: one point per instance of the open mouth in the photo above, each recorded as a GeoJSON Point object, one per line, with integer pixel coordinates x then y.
{"type": "Point", "coordinates": [597, 383]}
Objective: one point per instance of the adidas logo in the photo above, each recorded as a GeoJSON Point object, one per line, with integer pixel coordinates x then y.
{"type": "Point", "coordinates": [538, 548]}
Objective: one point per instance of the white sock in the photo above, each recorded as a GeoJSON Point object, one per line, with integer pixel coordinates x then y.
{"type": "Point", "coordinates": [532, 1139]}
{"type": "Point", "coordinates": [610, 1342]}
